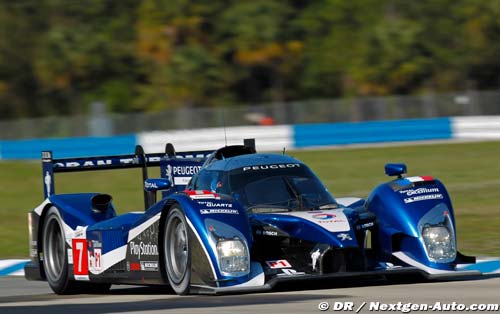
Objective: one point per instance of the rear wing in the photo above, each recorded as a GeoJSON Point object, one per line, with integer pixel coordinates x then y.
{"type": "Point", "coordinates": [178, 167]}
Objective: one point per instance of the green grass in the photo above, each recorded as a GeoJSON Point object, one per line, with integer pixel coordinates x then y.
{"type": "Point", "coordinates": [470, 171]}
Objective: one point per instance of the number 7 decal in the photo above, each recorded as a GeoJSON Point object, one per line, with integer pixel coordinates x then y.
{"type": "Point", "coordinates": [80, 257]}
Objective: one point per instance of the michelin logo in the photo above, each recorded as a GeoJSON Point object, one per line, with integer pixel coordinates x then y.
{"type": "Point", "coordinates": [423, 198]}
{"type": "Point", "coordinates": [209, 211]}
{"type": "Point", "coordinates": [149, 266]}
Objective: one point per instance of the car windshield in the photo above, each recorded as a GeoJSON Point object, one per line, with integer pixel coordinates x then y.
{"type": "Point", "coordinates": [278, 188]}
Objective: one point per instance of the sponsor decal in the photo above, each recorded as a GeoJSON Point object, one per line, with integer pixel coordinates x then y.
{"type": "Point", "coordinates": [95, 262]}
{"type": "Point", "coordinates": [135, 267]}
{"type": "Point", "coordinates": [217, 208]}
{"type": "Point", "coordinates": [270, 233]}
{"type": "Point", "coordinates": [70, 256]}
{"type": "Point", "coordinates": [423, 198]}
{"type": "Point", "coordinates": [323, 216]}
{"type": "Point", "coordinates": [365, 226]}
{"type": "Point", "coordinates": [33, 248]}
{"type": "Point", "coordinates": [149, 266]}
{"type": "Point", "coordinates": [150, 185]}
{"type": "Point", "coordinates": [209, 211]}
{"type": "Point", "coordinates": [314, 258]}
{"type": "Point", "coordinates": [333, 220]}
{"type": "Point", "coordinates": [80, 258]}
{"type": "Point", "coordinates": [95, 244]}
{"type": "Point", "coordinates": [168, 174]}
{"type": "Point", "coordinates": [271, 167]}
{"type": "Point", "coordinates": [94, 163]}
{"type": "Point", "coordinates": [180, 175]}
{"type": "Point", "coordinates": [418, 191]}
{"type": "Point", "coordinates": [198, 155]}
{"type": "Point", "coordinates": [291, 272]}
{"type": "Point", "coordinates": [95, 255]}
{"type": "Point", "coordinates": [215, 204]}
{"type": "Point", "coordinates": [344, 236]}
{"type": "Point", "coordinates": [185, 170]}
{"type": "Point", "coordinates": [141, 248]}
{"type": "Point", "coordinates": [79, 232]}
{"type": "Point", "coordinates": [282, 263]}
{"type": "Point", "coordinates": [181, 180]}
{"type": "Point", "coordinates": [48, 181]}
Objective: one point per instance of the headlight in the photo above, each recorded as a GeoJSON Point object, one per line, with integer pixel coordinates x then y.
{"type": "Point", "coordinates": [233, 256]}
{"type": "Point", "coordinates": [439, 243]}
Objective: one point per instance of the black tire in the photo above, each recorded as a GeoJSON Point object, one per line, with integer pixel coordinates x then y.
{"type": "Point", "coordinates": [55, 262]}
{"type": "Point", "coordinates": [177, 254]}
{"type": "Point", "coordinates": [55, 256]}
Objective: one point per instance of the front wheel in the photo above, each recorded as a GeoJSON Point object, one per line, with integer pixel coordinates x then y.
{"type": "Point", "coordinates": [177, 255]}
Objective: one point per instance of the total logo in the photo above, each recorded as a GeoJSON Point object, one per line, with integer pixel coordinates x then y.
{"type": "Point", "coordinates": [324, 216]}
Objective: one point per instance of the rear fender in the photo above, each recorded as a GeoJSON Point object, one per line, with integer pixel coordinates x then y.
{"type": "Point", "coordinates": [75, 210]}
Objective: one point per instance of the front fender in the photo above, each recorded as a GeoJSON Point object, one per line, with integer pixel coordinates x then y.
{"type": "Point", "coordinates": [400, 210]}
{"type": "Point", "coordinates": [208, 219]}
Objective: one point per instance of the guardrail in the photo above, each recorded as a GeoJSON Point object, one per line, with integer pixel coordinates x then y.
{"type": "Point", "coordinates": [268, 138]}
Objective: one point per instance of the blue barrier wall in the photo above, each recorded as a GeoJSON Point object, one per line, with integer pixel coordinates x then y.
{"type": "Point", "coordinates": [289, 136]}
{"type": "Point", "coordinates": [306, 135]}
{"type": "Point", "coordinates": [68, 147]}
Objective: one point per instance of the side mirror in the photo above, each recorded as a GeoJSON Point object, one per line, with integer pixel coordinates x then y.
{"type": "Point", "coordinates": [395, 169]}
{"type": "Point", "coordinates": [153, 185]}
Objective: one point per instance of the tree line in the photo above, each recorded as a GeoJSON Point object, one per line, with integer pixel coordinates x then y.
{"type": "Point", "coordinates": [57, 56]}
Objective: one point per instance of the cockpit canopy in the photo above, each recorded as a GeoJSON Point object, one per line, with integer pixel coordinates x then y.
{"type": "Point", "coordinates": [268, 187]}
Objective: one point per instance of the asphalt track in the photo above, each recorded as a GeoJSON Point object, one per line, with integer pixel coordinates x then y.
{"type": "Point", "coordinates": [20, 296]}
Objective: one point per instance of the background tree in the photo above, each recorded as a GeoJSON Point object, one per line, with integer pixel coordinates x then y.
{"type": "Point", "coordinates": [57, 56]}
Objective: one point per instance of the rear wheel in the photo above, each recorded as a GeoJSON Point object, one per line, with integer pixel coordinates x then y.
{"type": "Point", "coordinates": [55, 257]}
{"type": "Point", "coordinates": [55, 261]}
{"type": "Point", "coordinates": [177, 255]}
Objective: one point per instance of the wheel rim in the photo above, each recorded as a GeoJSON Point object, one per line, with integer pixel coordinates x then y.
{"type": "Point", "coordinates": [176, 248]}
{"type": "Point", "coordinates": [54, 247]}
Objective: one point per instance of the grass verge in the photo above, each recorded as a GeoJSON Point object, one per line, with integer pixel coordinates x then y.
{"type": "Point", "coordinates": [470, 171]}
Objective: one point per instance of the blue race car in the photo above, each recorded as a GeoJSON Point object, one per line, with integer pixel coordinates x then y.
{"type": "Point", "coordinates": [235, 220]}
